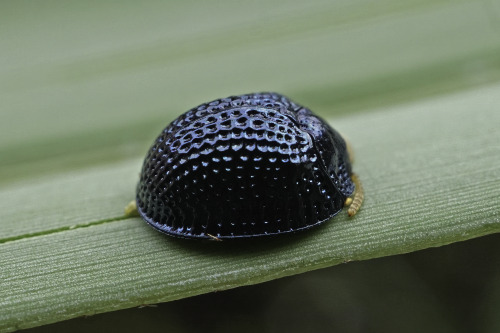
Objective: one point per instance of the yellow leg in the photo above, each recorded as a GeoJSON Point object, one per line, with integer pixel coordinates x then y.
{"type": "Point", "coordinates": [359, 195]}
{"type": "Point", "coordinates": [354, 202]}
{"type": "Point", "coordinates": [215, 238]}
{"type": "Point", "coordinates": [131, 209]}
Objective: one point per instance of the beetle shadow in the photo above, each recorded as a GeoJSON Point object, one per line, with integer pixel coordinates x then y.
{"type": "Point", "coordinates": [241, 246]}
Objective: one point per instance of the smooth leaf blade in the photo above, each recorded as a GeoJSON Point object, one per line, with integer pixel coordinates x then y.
{"type": "Point", "coordinates": [68, 200]}
{"type": "Point", "coordinates": [431, 176]}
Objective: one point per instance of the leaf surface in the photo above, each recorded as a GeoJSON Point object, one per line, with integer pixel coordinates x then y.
{"type": "Point", "coordinates": [431, 176]}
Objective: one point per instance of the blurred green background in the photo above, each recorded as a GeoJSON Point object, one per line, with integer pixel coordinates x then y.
{"type": "Point", "coordinates": [86, 83]}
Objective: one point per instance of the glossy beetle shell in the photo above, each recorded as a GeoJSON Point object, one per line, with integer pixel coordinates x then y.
{"type": "Point", "coordinates": [244, 166]}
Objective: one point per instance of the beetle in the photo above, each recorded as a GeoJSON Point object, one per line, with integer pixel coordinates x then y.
{"type": "Point", "coordinates": [246, 166]}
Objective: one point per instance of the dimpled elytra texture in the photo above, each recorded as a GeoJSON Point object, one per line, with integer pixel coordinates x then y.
{"type": "Point", "coordinates": [244, 166]}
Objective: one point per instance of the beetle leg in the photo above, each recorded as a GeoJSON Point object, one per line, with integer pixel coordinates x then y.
{"type": "Point", "coordinates": [215, 238]}
{"type": "Point", "coordinates": [358, 197]}
{"type": "Point", "coordinates": [131, 209]}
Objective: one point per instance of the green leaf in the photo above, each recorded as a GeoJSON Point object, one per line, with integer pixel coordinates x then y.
{"type": "Point", "coordinates": [431, 175]}
{"type": "Point", "coordinates": [84, 91]}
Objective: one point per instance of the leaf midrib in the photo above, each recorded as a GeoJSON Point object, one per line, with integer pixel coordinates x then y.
{"type": "Point", "coordinates": [62, 229]}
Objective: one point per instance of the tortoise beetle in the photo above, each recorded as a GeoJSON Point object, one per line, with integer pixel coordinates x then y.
{"type": "Point", "coordinates": [246, 166]}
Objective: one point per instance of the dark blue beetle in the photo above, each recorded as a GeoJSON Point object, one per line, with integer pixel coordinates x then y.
{"type": "Point", "coordinates": [245, 166]}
